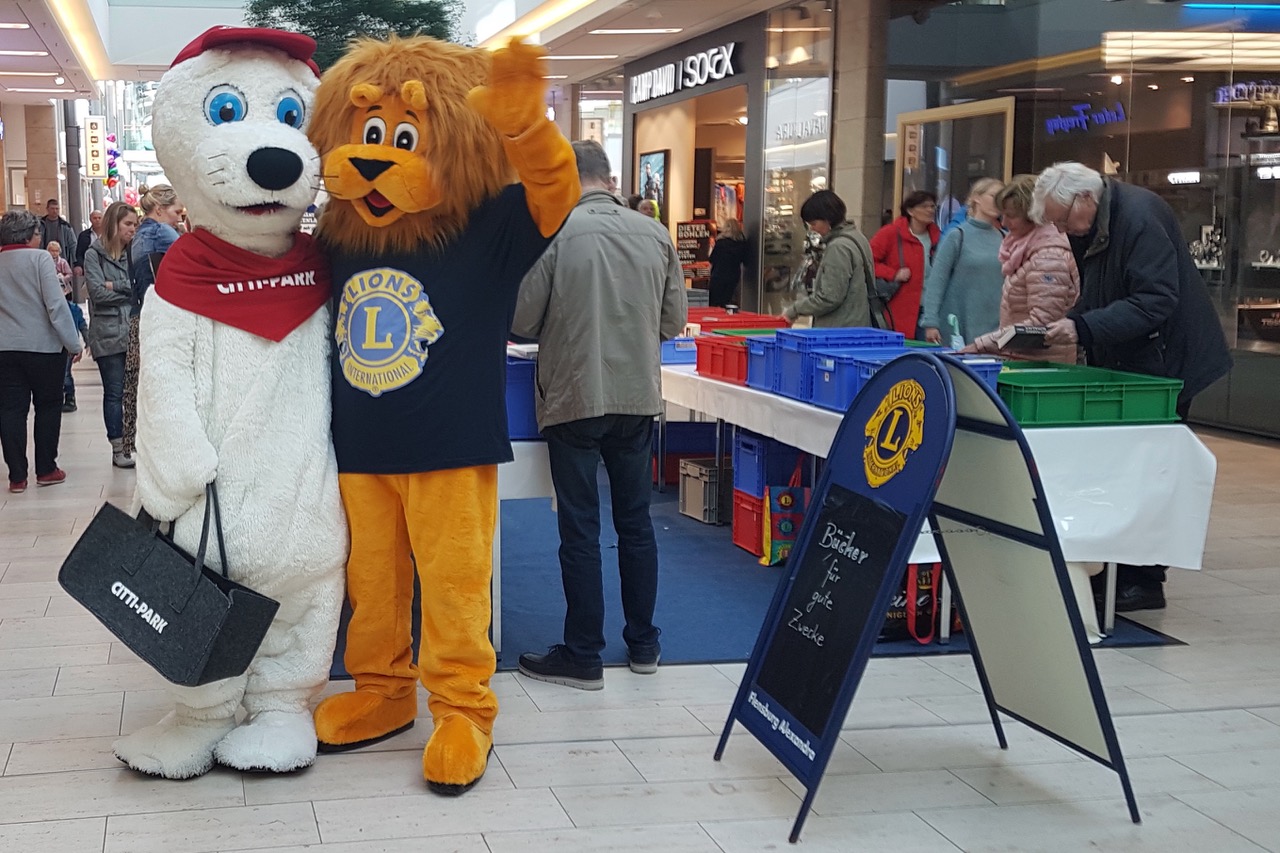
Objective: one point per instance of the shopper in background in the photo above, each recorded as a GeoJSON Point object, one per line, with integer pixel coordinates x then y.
{"type": "Point", "coordinates": [633, 201]}
{"type": "Point", "coordinates": [1041, 282]}
{"type": "Point", "coordinates": [840, 286]}
{"type": "Point", "coordinates": [903, 252]}
{"type": "Point", "coordinates": [86, 238]}
{"type": "Point", "coordinates": [106, 267]}
{"type": "Point", "coordinates": [727, 259]}
{"type": "Point", "coordinates": [36, 337]}
{"type": "Point", "coordinates": [162, 214]}
{"type": "Point", "coordinates": [1143, 305]}
{"type": "Point", "coordinates": [600, 302]}
{"type": "Point", "coordinates": [649, 207]}
{"type": "Point", "coordinates": [962, 291]}
{"type": "Point", "coordinates": [55, 229]}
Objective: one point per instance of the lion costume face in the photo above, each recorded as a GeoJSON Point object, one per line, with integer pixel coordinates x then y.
{"type": "Point", "coordinates": [405, 159]}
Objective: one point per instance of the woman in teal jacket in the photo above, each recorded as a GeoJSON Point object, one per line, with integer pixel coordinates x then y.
{"type": "Point", "coordinates": [963, 288]}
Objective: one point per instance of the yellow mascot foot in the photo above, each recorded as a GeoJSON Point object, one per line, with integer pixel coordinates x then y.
{"type": "Point", "coordinates": [456, 756]}
{"type": "Point", "coordinates": [360, 718]}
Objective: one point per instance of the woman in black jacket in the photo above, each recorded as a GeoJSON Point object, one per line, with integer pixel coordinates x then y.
{"type": "Point", "coordinates": [727, 258]}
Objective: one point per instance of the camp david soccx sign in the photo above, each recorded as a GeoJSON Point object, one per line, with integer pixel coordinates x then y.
{"type": "Point", "coordinates": [698, 69]}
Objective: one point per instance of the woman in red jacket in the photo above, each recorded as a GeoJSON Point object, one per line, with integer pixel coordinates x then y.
{"type": "Point", "coordinates": [899, 252]}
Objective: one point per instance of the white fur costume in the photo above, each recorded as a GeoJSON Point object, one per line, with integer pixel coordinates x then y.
{"type": "Point", "coordinates": [216, 401]}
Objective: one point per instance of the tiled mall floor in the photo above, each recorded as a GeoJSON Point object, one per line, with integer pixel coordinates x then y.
{"type": "Point", "coordinates": [630, 769]}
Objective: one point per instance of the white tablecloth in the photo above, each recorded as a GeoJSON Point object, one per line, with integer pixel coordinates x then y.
{"type": "Point", "coordinates": [1123, 494]}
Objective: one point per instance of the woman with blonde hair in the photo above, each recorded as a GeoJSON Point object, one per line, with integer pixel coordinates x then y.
{"type": "Point", "coordinates": [727, 259]}
{"type": "Point", "coordinates": [162, 214]}
{"type": "Point", "coordinates": [962, 291]}
{"type": "Point", "coordinates": [1041, 281]}
{"type": "Point", "coordinates": [106, 269]}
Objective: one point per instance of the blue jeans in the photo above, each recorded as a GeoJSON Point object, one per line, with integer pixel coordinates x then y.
{"type": "Point", "coordinates": [576, 449]}
{"type": "Point", "coordinates": [111, 368]}
{"type": "Point", "coordinates": [68, 384]}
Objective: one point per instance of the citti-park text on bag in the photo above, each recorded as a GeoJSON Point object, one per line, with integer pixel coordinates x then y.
{"type": "Point", "coordinates": [191, 623]}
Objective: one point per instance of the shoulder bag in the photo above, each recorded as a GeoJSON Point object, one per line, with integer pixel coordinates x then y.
{"type": "Point", "coordinates": [192, 624]}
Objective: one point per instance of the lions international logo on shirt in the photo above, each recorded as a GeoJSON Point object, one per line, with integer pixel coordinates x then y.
{"type": "Point", "coordinates": [385, 324]}
{"type": "Point", "coordinates": [893, 432]}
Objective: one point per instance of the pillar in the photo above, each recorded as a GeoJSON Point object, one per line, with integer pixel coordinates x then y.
{"type": "Point", "coordinates": [42, 157]}
{"type": "Point", "coordinates": [857, 149]}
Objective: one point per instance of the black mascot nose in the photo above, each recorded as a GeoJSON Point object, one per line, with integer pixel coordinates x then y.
{"type": "Point", "coordinates": [370, 169]}
{"type": "Point", "coordinates": [274, 168]}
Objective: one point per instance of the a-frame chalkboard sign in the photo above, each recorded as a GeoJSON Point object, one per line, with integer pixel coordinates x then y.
{"type": "Point", "coordinates": [889, 459]}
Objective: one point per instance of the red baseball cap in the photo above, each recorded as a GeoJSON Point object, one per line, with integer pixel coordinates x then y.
{"type": "Point", "coordinates": [300, 47]}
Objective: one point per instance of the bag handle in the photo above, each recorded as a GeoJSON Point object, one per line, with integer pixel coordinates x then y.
{"type": "Point", "coordinates": [869, 280]}
{"type": "Point", "coordinates": [212, 511]}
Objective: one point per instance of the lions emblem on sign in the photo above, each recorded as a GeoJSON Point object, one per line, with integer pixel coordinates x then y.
{"type": "Point", "coordinates": [893, 432]}
{"type": "Point", "coordinates": [385, 324]}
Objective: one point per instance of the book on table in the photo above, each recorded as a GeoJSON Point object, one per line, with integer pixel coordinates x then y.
{"type": "Point", "coordinates": [1022, 337]}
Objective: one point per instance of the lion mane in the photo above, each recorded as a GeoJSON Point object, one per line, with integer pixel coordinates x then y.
{"type": "Point", "coordinates": [463, 154]}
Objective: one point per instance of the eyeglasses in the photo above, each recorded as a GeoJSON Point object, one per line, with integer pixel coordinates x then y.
{"type": "Point", "coordinates": [1061, 222]}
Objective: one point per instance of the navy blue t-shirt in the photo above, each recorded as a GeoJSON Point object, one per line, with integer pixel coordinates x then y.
{"type": "Point", "coordinates": [419, 366]}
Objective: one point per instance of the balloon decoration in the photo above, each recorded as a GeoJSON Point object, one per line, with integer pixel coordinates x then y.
{"type": "Point", "coordinates": [113, 173]}
{"type": "Point", "coordinates": [131, 196]}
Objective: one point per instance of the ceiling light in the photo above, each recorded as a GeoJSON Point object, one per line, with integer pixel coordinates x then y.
{"type": "Point", "coordinates": [1117, 79]}
{"type": "Point", "coordinates": [555, 76]}
{"type": "Point", "coordinates": [1152, 86]}
{"type": "Point", "coordinates": [1188, 79]}
{"type": "Point", "coordinates": [798, 29]}
{"type": "Point", "coordinates": [59, 80]}
{"type": "Point", "coordinates": [742, 120]}
{"type": "Point", "coordinates": [653, 31]}
{"type": "Point", "coordinates": [15, 26]}
{"type": "Point", "coordinates": [28, 74]}
{"type": "Point", "coordinates": [584, 56]}
{"type": "Point", "coordinates": [24, 53]}
{"type": "Point", "coordinates": [39, 90]}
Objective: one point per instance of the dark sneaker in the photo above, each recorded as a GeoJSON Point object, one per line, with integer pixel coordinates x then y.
{"type": "Point", "coordinates": [53, 478]}
{"type": "Point", "coordinates": [69, 404]}
{"type": "Point", "coordinates": [1137, 597]}
{"type": "Point", "coordinates": [17, 487]}
{"type": "Point", "coordinates": [556, 667]}
{"type": "Point", "coordinates": [644, 663]}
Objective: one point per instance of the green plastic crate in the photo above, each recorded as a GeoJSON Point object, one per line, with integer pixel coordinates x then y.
{"type": "Point", "coordinates": [743, 333]}
{"type": "Point", "coordinates": [1048, 394]}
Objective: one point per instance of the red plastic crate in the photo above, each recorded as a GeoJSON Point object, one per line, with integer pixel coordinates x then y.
{"type": "Point", "coordinates": [748, 523]}
{"type": "Point", "coordinates": [722, 357]}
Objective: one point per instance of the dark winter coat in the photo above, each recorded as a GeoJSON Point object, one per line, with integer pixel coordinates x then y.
{"type": "Point", "coordinates": [727, 258]}
{"type": "Point", "coordinates": [1143, 306]}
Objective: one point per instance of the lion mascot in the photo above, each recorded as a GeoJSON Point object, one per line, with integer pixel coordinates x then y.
{"type": "Point", "coordinates": [429, 238]}
{"type": "Point", "coordinates": [234, 389]}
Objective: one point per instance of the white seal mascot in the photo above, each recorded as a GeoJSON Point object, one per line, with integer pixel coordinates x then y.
{"type": "Point", "coordinates": [234, 388]}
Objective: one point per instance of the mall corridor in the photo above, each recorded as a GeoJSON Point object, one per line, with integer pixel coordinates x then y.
{"type": "Point", "coordinates": [629, 768]}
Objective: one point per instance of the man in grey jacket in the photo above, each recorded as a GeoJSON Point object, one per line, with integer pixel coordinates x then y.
{"type": "Point", "coordinates": [55, 229]}
{"type": "Point", "coordinates": [601, 300]}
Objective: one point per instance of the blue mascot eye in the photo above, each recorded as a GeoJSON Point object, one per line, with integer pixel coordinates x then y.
{"type": "Point", "coordinates": [225, 106]}
{"type": "Point", "coordinates": [289, 111]}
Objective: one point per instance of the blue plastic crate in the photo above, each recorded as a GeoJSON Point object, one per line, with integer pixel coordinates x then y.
{"type": "Point", "coordinates": [762, 364]}
{"type": "Point", "coordinates": [759, 462]}
{"type": "Point", "coordinates": [679, 351]}
{"type": "Point", "coordinates": [836, 378]}
{"type": "Point", "coordinates": [522, 418]}
{"type": "Point", "coordinates": [795, 346]}
{"type": "Point", "coordinates": [987, 367]}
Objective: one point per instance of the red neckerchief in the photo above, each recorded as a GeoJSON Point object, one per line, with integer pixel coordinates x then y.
{"type": "Point", "coordinates": [9, 247]}
{"type": "Point", "coordinates": [268, 297]}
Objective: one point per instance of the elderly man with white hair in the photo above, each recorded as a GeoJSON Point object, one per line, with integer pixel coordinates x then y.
{"type": "Point", "coordinates": [1143, 306]}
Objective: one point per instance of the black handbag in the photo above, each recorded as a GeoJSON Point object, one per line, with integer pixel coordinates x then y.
{"type": "Point", "coordinates": [887, 287]}
{"type": "Point", "coordinates": [192, 624]}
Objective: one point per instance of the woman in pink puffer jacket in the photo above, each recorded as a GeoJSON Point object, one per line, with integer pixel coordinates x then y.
{"type": "Point", "coordinates": [1041, 282]}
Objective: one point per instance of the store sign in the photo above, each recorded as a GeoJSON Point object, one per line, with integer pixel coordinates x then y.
{"type": "Point", "coordinates": [1084, 117]}
{"type": "Point", "coordinates": [801, 131]}
{"type": "Point", "coordinates": [693, 71]}
{"type": "Point", "coordinates": [1250, 93]}
{"type": "Point", "coordinates": [95, 146]}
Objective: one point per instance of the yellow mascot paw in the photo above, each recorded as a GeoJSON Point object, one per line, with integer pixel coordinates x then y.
{"type": "Point", "coordinates": [360, 718]}
{"type": "Point", "coordinates": [456, 756]}
{"type": "Point", "coordinates": [515, 97]}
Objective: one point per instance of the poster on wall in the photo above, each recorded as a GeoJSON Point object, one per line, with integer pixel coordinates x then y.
{"type": "Point", "coordinates": [653, 179]}
{"type": "Point", "coordinates": [693, 245]}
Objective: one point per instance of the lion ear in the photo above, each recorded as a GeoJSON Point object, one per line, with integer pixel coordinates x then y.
{"type": "Point", "coordinates": [365, 95]}
{"type": "Point", "coordinates": [414, 94]}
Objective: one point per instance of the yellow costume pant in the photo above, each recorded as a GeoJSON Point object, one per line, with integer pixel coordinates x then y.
{"type": "Point", "coordinates": [443, 520]}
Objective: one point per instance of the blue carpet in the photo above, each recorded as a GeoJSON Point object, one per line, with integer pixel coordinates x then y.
{"type": "Point", "coordinates": [712, 595]}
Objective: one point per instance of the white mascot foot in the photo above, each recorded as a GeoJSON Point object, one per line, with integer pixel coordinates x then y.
{"type": "Point", "coordinates": [175, 748]}
{"type": "Point", "coordinates": [275, 741]}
